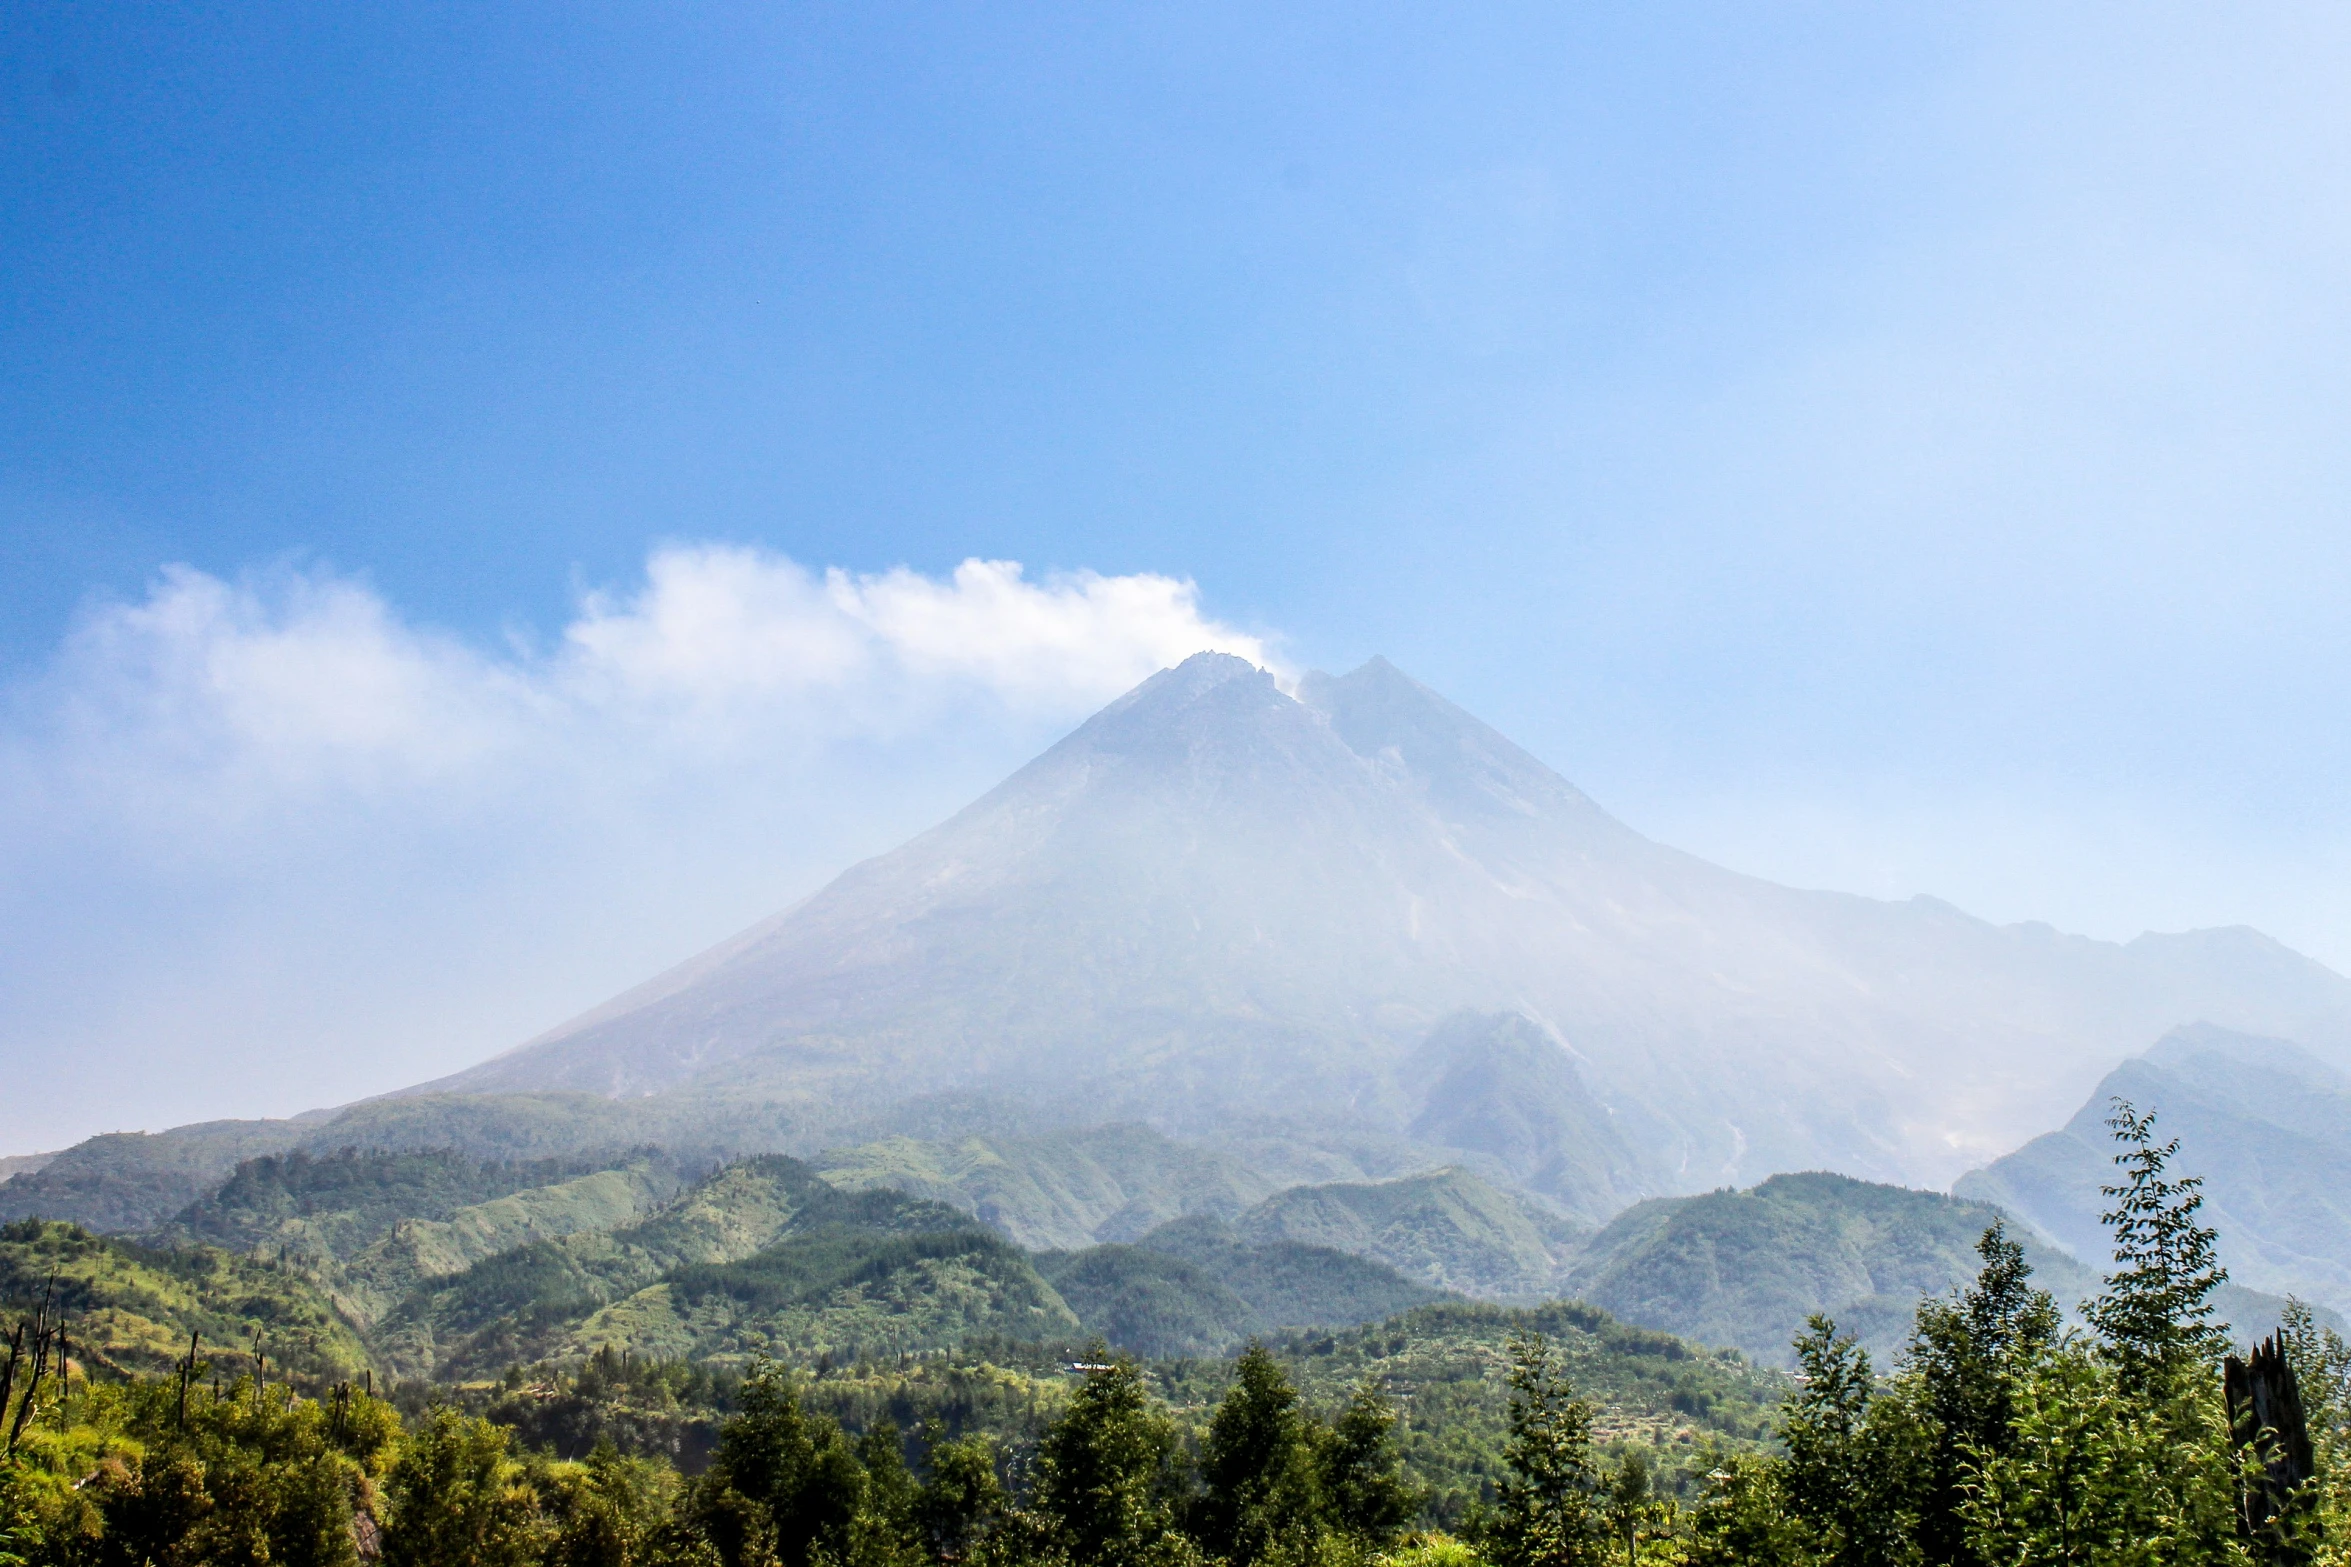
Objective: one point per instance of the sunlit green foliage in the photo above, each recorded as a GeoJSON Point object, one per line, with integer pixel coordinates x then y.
{"type": "Point", "coordinates": [1542, 1437]}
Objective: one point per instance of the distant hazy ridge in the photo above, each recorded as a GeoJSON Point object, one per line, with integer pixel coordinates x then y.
{"type": "Point", "coordinates": [1216, 903]}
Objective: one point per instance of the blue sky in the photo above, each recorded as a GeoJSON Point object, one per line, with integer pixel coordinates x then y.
{"type": "Point", "coordinates": [1888, 448]}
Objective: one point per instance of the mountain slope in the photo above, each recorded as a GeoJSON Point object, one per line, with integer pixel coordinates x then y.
{"type": "Point", "coordinates": [1057, 1191]}
{"type": "Point", "coordinates": [1502, 1090]}
{"type": "Point", "coordinates": [1745, 1268]}
{"type": "Point", "coordinates": [131, 1307]}
{"type": "Point", "coordinates": [1195, 1287]}
{"type": "Point", "coordinates": [760, 1254]}
{"type": "Point", "coordinates": [1447, 1229]}
{"type": "Point", "coordinates": [2265, 1123]}
{"type": "Point", "coordinates": [1216, 901]}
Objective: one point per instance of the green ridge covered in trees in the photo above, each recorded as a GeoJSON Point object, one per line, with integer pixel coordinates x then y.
{"type": "Point", "coordinates": [1455, 1435]}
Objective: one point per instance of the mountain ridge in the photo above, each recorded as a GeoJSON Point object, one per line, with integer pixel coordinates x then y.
{"type": "Point", "coordinates": [1215, 899]}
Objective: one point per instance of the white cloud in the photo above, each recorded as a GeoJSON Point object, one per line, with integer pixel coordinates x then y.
{"type": "Point", "coordinates": [272, 822]}
{"type": "Point", "coordinates": [714, 628]}
{"type": "Point", "coordinates": [210, 699]}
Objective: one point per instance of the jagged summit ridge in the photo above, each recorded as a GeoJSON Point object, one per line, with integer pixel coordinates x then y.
{"type": "Point", "coordinates": [1216, 901]}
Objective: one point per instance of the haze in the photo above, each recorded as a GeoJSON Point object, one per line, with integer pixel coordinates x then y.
{"type": "Point", "coordinates": [1878, 451]}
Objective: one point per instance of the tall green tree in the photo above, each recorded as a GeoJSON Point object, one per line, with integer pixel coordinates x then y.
{"type": "Point", "coordinates": [458, 1499]}
{"type": "Point", "coordinates": [784, 1486]}
{"type": "Point", "coordinates": [1106, 1481]}
{"type": "Point", "coordinates": [1630, 1505]}
{"type": "Point", "coordinates": [1261, 1493]}
{"type": "Point", "coordinates": [1853, 1465]}
{"type": "Point", "coordinates": [961, 1505]}
{"type": "Point", "coordinates": [1547, 1512]}
{"type": "Point", "coordinates": [2084, 1477]}
{"type": "Point", "coordinates": [2154, 1316]}
{"type": "Point", "coordinates": [2119, 1449]}
{"type": "Point", "coordinates": [609, 1511]}
{"type": "Point", "coordinates": [1967, 1359]}
{"type": "Point", "coordinates": [1742, 1518]}
{"type": "Point", "coordinates": [1365, 1494]}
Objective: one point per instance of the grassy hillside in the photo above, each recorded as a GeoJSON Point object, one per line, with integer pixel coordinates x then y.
{"type": "Point", "coordinates": [131, 1307]}
{"type": "Point", "coordinates": [833, 1293]}
{"type": "Point", "coordinates": [762, 1255]}
{"type": "Point", "coordinates": [1058, 1190]}
{"type": "Point", "coordinates": [130, 1181]}
{"type": "Point", "coordinates": [133, 1182]}
{"type": "Point", "coordinates": [1290, 1283]}
{"type": "Point", "coordinates": [331, 1207]}
{"type": "Point", "coordinates": [1745, 1268]}
{"type": "Point", "coordinates": [422, 1249]}
{"type": "Point", "coordinates": [1194, 1288]}
{"type": "Point", "coordinates": [1148, 1303]}
{"type": "Point", "coordinates": [1448, 1230]}
{"type": "Point", "coordinates": [372, 1226]}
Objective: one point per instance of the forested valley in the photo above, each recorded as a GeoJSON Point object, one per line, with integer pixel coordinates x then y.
{"type": "Point", "coordinates": [1451, 1435]}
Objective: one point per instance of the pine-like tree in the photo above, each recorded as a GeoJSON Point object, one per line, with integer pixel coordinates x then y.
{"type": "Point", "coordinates": [1854, 1461]}
{"type": "Point", "coordinates": [1742, 1518]}
{"type": "Point", "coordinates": [1365, 1495]}
{"type": "Point", "coordinates": [1967, 1356]}
{"type": "Point", "coordinates": [1548, 1512]}
{"type": "Point", "coordinates": [961, 1502]}
{"type": "Point", "coordinates": [2155, 1313]}
{"type": "Point", "coordinates": [454, 1499]}
{"type": "Point", "coordinates": [1105, 1476]}
{"type": "Point", "coordinates": [1261, 1496]}
{"type": "Point", "coordinates": [784, 1486]}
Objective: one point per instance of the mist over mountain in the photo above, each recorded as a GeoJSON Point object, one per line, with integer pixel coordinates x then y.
{"type": "Point", "coordinates": [2264, 1123]}
{"type": "Point", "coordinates": [1217, 904]}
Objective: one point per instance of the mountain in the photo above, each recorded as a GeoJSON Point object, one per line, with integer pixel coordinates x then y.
{"type": "Point", "coordinates": [137, 1181]}
{"type": "Point", "coordinates": [1194, 1287]}
{"type": "Point", "coordinates": [2263, 1121]}
{"type": "Point", "coordinates": [131, 1308]}
{"type": "Point", "coordinates": [1290, 1284]}
{"type": "Point", "coordinates": [15, 1164]}
{"type": "Point", "coordinates": [760, 1255]}
{"type": "Point", "coordinates": [370, 1227]}
{"type": "Point", "coordinates": [1058, 1191]}
{"type": "Point", "coordinates": [1218, 902]}
{"type": "Point", "coordinates": [1497, 1087]}
{"type": "Point", "coordinates": [1746, 1268]}
{"type": "Point", "coordinates": [1448, 1229]}
{"type": "Point", "coordinates": [132, 1180]}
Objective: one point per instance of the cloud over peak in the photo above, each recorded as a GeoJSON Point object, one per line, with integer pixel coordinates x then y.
{"type": "Point", "coordinates": [209, 696]}
{"type": "Point", "coordinates": [272, 820]}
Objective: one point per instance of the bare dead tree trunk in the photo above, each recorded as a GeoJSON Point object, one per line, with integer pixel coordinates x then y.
{"type": "Point", "coordinates": [42, 1333]}
{"type": "Point", "coordinates": [8, 1376]}
{"type": "Point", "coordinates": [32, 1386]}
{"type": "Point", "coordinates": [2276, 1506]}
{"type": "Point", "coordinates": [187, 1370]}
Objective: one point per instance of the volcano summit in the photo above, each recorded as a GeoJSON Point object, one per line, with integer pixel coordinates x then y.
{"type": "Point", "coordinates": [1358, 908]}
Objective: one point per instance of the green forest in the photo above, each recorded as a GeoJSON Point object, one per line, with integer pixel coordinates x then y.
{"type": "Point", "coordinates": [872, 1381]}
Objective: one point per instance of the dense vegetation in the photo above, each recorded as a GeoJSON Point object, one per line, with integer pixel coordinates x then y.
{"type": "Point", "coordinates": [1193, 1287]}
{"type": "Point", "coordinates": [1747, 1268]}
{"type": "Point", "coordinates": [2001, 1437]}
{"type": "Point", "coordinates": [133, 1307]}
{"type": "Point", "coordinates": [764, 1368]}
